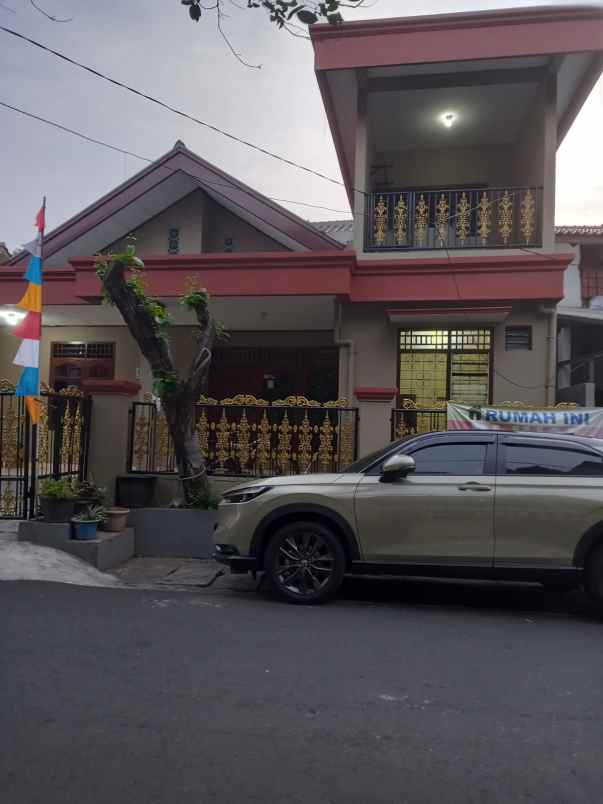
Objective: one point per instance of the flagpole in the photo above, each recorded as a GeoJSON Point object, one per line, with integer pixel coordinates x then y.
{"type": "Point", "coordinates": [34, 427]}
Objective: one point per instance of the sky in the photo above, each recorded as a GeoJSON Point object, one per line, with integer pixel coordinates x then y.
{"type": "Point", "coordinates": [152, 45]}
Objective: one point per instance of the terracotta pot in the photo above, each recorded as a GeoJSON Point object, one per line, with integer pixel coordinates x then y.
{"type": "Point", "coordinates": [116, 519]}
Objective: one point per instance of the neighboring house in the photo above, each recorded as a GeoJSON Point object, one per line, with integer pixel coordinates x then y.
{"type": "Point", "coordinates": [580, 313]}
{"type": "Point", "coordinates": [446, 129]}
{"type": "Point", "coordinates": [4, 253]}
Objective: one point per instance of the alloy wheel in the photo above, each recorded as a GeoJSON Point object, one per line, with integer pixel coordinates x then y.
{"type": "Point", "coordinates": [304, 563]}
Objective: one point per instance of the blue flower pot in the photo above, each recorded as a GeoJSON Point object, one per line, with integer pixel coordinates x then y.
{"type": "Point", "coordinates": [85, 530]}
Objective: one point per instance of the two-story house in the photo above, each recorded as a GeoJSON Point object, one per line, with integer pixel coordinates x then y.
{"type": "Point", "coordinates": [446, 129]}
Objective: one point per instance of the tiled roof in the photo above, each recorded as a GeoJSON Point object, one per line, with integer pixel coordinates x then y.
{"type": "Point", "coordinates": [579, 231]}
{"type": "Point", "coordinates": [343, 230]}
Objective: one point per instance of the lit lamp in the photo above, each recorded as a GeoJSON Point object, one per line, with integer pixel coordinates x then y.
{"type": "Point", "coordinates": [448, 119]}
{"type": "Point", "coordinates": [11, 317]}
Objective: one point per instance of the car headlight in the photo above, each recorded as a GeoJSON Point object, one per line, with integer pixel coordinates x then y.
{"type": "Point", "coordinates": [244, 495]}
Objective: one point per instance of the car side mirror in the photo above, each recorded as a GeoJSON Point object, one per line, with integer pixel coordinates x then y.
{"type": "Point", "coordinates": [396, 467]}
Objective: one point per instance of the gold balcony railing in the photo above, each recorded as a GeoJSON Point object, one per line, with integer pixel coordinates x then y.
{"type": "Point", "coordinates": [401, 220]}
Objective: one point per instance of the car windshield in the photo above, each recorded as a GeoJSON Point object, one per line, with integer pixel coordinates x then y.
{"type": "Point", "coordinates": [363, 463]}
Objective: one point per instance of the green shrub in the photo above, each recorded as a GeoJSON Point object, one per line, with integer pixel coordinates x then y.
{"type": "Point", "coordinates": [204, 501]}
{"type": "Point", "coordinates": [94, 513]}
{"type": "Point", "coordinates": [56, 489]}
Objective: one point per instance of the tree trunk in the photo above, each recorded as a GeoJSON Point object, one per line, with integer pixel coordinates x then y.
{"type": "Point", "coordinates": [180, 417]}
{"type": "Point", "coordinates": [179, 398]}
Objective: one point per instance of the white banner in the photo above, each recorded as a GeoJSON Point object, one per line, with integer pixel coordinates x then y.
{"type": "Point", "coordinates": [577, 421]}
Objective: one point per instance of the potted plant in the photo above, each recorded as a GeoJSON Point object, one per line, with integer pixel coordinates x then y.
{"type": "Point", "coordinates": [87, 522]}
{"type": "Point", "coordinates": [87, 494]}
{"type": "Point", "coordinates": [57, 500]}
{"type": "Point", "coordinates": [116, 519]}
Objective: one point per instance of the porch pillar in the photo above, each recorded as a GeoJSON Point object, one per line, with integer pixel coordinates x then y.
{"type": "Point", "coordinates": [375, 410]}
{"type": "Point", "coordinates": [108, 453]}
{"type": "Point", "coordinates": [373, 366]}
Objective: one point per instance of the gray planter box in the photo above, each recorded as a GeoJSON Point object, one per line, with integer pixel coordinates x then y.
{"type": "Point", "coordinates": [108, 550]}
{"type": "Point", "coordinates": [173, 532]}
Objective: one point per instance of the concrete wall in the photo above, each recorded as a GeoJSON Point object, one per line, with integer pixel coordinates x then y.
{"type": "Point", "coordinates": [549, 154]}
{"type": "Point", "coordinates": [525, 373]}
{"type": "Point", "coordinates": [444, 167]}
{"type": "Point", "coordinates": [186, 214]}
{"type": "Point", "coordinates": [572, 284]}
{"type": "Point", "coordinates": [375, 366]}
{"type": "Point", "coordinates": [528, 155]}
{"type": "Point", "coordinates": [204, 225]}
{"type": "Point", "coordinates": [220, 224]}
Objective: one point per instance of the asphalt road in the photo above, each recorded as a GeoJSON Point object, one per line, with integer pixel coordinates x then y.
{"type": "Point", "coordinates": [398, 693]}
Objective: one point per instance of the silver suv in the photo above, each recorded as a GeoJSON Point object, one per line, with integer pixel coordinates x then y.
{"type": "Point", "coordinates": [492, 505]}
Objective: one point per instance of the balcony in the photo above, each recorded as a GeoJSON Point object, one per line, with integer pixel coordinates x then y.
{"type": "Point", "coordinates": [460, 218]}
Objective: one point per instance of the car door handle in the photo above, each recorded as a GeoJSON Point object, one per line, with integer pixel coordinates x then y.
{"type": "Point", "coordinates": [474, 487]}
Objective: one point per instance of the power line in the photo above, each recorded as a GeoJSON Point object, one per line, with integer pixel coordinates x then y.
{"type": "Point", "coordinates": [172, 109]}
{"type": "Point", "coordinates": [126, 152]}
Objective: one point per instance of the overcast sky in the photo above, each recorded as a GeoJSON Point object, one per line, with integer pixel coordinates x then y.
{"type": "Point", "coordinates": [152, 45]}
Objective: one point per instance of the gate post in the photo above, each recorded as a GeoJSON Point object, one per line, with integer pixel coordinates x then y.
{"type": "Point", "coordinates": [108, 452]}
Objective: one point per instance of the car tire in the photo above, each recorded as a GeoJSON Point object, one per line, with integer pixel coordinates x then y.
{"type": "Point", "coordinates": [305, 562]}
{"type": "Point", "coordinates": [593, 574]}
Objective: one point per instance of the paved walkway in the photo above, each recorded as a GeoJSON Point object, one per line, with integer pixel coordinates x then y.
{"type": "Point", "coordinates": [23, 561]}
{"type": "Point", "coordinates": [181, 574]}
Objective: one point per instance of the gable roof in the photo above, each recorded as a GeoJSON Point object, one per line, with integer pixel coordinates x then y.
{"type": "Point", "coordinates": [158, 186]}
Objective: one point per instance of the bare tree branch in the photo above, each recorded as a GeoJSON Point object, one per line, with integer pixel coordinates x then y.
{"type": "Point", "coordinates": [235, 53]}
{"type": "Point", "coordinates": [48, 16]}
{"type": "Point", "coordinates": [8, 8]}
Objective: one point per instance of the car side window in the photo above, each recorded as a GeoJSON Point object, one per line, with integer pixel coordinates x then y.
{"type": "Point", "coordinates": [451, 459]}
{"type": "Point", "coordinates": [525, 459]}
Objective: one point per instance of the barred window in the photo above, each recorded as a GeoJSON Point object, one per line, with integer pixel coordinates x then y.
{"type": "Point", "coordinates": [72, 363]}
{"type": "Point", "coordinates": [441, 364]}
{"type": "Point", "coordinates": [84, 351]}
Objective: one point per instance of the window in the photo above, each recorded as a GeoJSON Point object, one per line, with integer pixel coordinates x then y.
{"type": "Point", "coordinates": [70, 363]}
{"type": "Point", "coordinates": [451, 459]}
{"type": "Point", "coordinates": [525, 459]}
{"type": "Point", "coordinates": [173, 240]}
{"type": "Point", "coordinates": [518, 339]}
{"type": "Point", "coordinates": [436, 365]}
{"type": "Point", "coordinates": [89, 351]}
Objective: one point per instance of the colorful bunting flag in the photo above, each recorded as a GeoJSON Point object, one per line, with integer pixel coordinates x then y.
{"type": "Point", "coordinates": [30, 329]}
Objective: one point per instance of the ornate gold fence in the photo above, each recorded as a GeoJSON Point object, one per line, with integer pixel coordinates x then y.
{"type": "Point", "coordinates": [57, 447]}
{"type": "Point", "coordinates": [244, 435]}
{"type": "Point", "coordinates": [506, 217]}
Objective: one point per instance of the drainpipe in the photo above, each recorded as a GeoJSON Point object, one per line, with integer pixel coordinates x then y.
{"type": "Point", "coordinates": [551, 362]}
{"type": "Point", "coordinates": [349, 345]}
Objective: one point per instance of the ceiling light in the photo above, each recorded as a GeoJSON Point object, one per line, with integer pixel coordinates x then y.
{"type": "Point", "coordinates": [12, 317]}
{"type": "Point", "coordinates": [448, 119]}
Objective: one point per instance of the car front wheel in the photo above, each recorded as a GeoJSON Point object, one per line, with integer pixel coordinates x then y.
{"type": "Point", "coordinates": [305, 562]}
